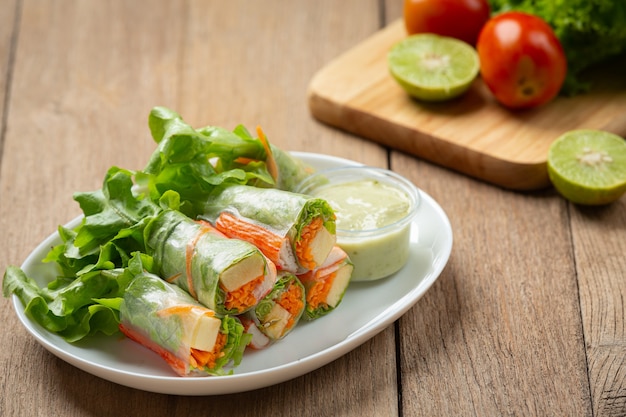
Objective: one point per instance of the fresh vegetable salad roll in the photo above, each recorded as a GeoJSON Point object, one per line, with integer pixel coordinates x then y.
{"type": "Point", "coordinates": [191, 338]}
{"type": "Point", "coordinates": [291, 171]}
{"type": "Point", "coordinates": [326, 285]}
{"type": "Point", "coordinates": [295, 231]}
{"type": "Point", "coordinates": [286, 170]}
{"type": "Point", "coordinates": [227, 275]}
{"type": "Point", "coordinates": [278, 313]}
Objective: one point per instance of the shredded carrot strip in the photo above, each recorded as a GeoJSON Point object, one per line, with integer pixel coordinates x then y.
{"type": "Point", "coordinates": [205, 227]}
{"type": "Point", "coordinates": [243, 297]}
{"type": "Point", "coordinates": [319, 291]}
{"type": "Point", "coordinates": [204, 358]}
{"type": "Point", "coordinates": [244, 160]}
{"type": "Point", "coordinates": [303, 246]}
{"type": "Point", "coordinates": [234, 227]}
{"type": "Point", "coordinates": [173, 277]}
{"type": "Point", "coordinates": [272, 167]}
{"type": "Point", "coordinates": [291, 300]}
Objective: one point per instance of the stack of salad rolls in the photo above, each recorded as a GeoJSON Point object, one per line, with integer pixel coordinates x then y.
{"type": "Point", "coordinates": [205, 252]}
{"type": "Point", "coordinates": [227, 275]}
{"type": "Point", "coordinates": [267, 255]}
{"type": "Point", "coordinates": [230, 284]}
{"type": "Point", "coordinates": [256, 252]}
{"type": "Point", "coordinates": [295, 231]}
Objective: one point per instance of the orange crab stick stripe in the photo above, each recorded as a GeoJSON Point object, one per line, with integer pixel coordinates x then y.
{"type": "Point", "coordinates": [184, 309]}
{"type": "Point", "coordinates": [197, 359]}
{"type": "Point", "coordinates": [175, 362]}
{"type": "Point", "coordinates": [190, 250]}
{"type": "Point", "coordinates": [303, 246]}
{"type": "Point", "coordinates": [234, 227]}
{"type": "Point", "coordinates": [203, 358]}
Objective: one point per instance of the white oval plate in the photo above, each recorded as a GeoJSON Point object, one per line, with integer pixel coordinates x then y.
{"type": "Point", "coordinates": [367, 309]}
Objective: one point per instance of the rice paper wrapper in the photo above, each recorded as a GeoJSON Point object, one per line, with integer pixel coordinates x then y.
{"type": "Point", "coordinates": [163, 317]}
{"type": "Point", "coordinates": [291, 170]}
{"type": "Point", "coordinates": [198, 258]}
{"type": "Point", "coordinates": [282, 213]}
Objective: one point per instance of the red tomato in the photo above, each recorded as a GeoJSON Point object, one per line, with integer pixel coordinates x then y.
{"type": "Point", "coordinates": [461, 19]}
{"type": "Point", "coordinates": [521, 60]}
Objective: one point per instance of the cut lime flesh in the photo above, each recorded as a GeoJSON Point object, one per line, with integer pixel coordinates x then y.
{"type": "Point", "coordinates": [432, 67]}
{"type": "Point", "coordinates": [588, 166]}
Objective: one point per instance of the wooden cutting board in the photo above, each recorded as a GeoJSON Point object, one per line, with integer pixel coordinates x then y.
{"type": "Point", "coordinates": [471, 134]}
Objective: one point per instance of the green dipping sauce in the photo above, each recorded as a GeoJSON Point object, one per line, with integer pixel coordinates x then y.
{"type": "Point", "coordinates": [366, 204]}
{"type": "Point", "coordinates": [377, 209]}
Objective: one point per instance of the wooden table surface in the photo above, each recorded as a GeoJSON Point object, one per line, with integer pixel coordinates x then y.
{"type": "Point", "coordinates": [526, 319]}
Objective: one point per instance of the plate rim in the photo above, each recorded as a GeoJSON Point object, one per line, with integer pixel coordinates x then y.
{"type": "Point", "coordinates": [237, 383]}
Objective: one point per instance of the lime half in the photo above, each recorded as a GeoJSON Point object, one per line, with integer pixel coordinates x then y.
{"type": "Point", "coordinates": [588, 166]}
{"type": "Point", "coordinates": [432, 67]}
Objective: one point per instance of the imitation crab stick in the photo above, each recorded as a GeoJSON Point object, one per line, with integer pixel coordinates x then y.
{"type": "Point", "coordinates": [270, 243]}
{"type": "Point", "coordinates": [278, 313]}
{"type": "Point", "coordinates": [295, 231]}
{"type": "Point", "coordinates": [326, 285]}
{"type": "Point", "coordinates": [227, 275]}
{"type": "Point", "coordinates": [191, 338]}
{"type": "Point", "coordinates": [258, 340]}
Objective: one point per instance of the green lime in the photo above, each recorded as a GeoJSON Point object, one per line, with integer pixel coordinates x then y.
{"type": "Point", "coordinates": [432, 67]}
{"type": "Point", "coordinates": [588, 166]}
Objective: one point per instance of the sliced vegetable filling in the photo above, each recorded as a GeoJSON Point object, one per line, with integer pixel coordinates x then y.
{"type": "Point", "coordinates": [191, 338]}
{"type": "Point", "coordinates": [227, 275]}
{"type": "Point", "coordinates": [295, 231]}
{"type": "Point", "coordinates": [291, 301]}
{"type": "Point", "coordinates": [314, 245]}
{"type": "Point", "coordinates": [326, 285]}
{"type": "Point", "coordinates": [201, 358]}
{"type": "Point", "coordinates": [279, 312]}
{"type": "Point", "coordinates": [284, 314]}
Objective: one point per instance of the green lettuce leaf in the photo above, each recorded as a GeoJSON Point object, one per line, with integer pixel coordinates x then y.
{"type": "Point", "coordinates": [193, 162]}
{"type": "Point", "coordinates": [69, 308]}
{"type": "Point", "coordinates": [114, 211]}
{"type": "Point", "coordinates": [112, 227]}
{"type": "Point", "coordinates": [99, 257]}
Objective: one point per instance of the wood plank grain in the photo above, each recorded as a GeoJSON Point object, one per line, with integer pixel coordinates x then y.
{"type": "Point", "coordinates": [73, 113]}
{"type": "Point", "coordinates": [471, 134]}
{"type": "Point", "coordinates": [8, 37]}
{"type": "Point", "coordinates": [500, 333]}
{"type": "Point", "coordinates": [436, 377]}
{"type": "Point", "coordinates": [252, 66]}
{"type": "Point", "coordinates": [599, 239]}
{"type": "Point", "coordinates": [265, 85]}
{"type": "Point", "coordinates": [83, 88]}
